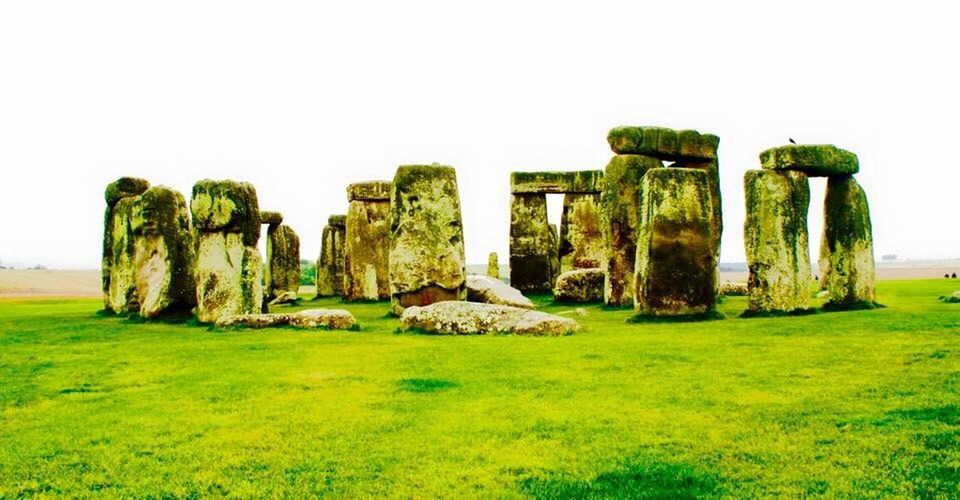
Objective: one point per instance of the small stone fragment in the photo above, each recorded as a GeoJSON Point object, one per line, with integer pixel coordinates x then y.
{"type": "Point", "coordinates": [579, 285]}
{"type": "Point", "coordinates": [467, 318]}
{"type": "Point", "coordinates": [815, 160]}
{"type": "Point", "coordinates": [493, 291]}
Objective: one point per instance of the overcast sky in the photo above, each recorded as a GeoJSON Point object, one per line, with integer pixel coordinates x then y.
{"type": "Point", "coordinates": [303, 98]}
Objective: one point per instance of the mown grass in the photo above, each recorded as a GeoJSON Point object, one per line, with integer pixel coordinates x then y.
{"type": "Point", "coordinates": [859, 403]}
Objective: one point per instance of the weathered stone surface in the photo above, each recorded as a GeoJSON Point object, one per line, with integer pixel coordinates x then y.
{"type": "Point", "coordinates": [619, 213]}
{"type": "Point", "coordinates": [663, 143]}
{"type": "Point", "coordinates": [333, 319]}
{"type": "Point", "coordinates": [531, 247]}
{"type": "Point", "coordinates": [331, 263]}
{"type": "Point", "coordinates": [734, 289]}
{"type": "Point", "coordinates": [581, 236]}
{"type": "Point", "coordinates": [163, 253]}
{"type": "Point", "coordinates": [675, 266]}
{"type": "Point", "coordinates": [464, 318]}
{"type": "Point", "coordinates": [712, 169]}
{"type": "Point", "coordinates": [229, 276]}
{"type": "Point", "coordinates": [121, 281]}
{"type": "Point", "coordinates": [426, 260]}
{"type": "Point", "coordinates": [367, 247]}
{"type": "Point", "coordinates": [287, 297]}
{"type": "Point", "coordinates": [579, 285]}
{"type": "Point", "coordinates": [369, 191]}
{"type": "Point", "coordinates": [553, 255]}
{"type": "Point", "coordinates": [848, 243]}
{"type": "Point", "coordinates": [226, 206]}
{"type": "Point", "coordinates": [283, 261]}
{"type": "Point", "coordinates": [271, 218]}
{"type": "Point", "coordinates": [775, 237]}
{"type": "Point", "coordinates": [493, 291]}
{"type": "Point", "coordinates": [123, 187]}
{"type": "Point", "coordinates": [493, 265]}
{"type": "Point", "coordinates": [815, 160]}
{"type": "Point", "coordinates": [583, 181]}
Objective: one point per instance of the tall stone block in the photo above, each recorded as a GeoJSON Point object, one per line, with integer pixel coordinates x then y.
{"type": "Point", "coordinates": [776, 242]}
{"type": "Point", "coordinates": [367, 242]}
{"type": "Point", "coordinates": [620, 212]}
{"type": "Point", "coordinates": [675, 266]}
{"type": "Point", "coordinates": [847, 245]}
{"type": "Point", "coordinates": [283, 260]}
{"type": "Point", "coordinates": [493, 266]}
{"type": "Point", "coordinates": [122, 284]}
{"type": "Point", "coordinates": [531, 246]}
{"type": "Point", "coordinates": [581, 237]}
{"type": "Point", "coordinates": [226, 219]}
{"type": "Point", "coordinates": [331, 262]}
{"type": "Point", "coordinates": [124, 187]}
{"type": "Point", "coordinates": [427, 261]}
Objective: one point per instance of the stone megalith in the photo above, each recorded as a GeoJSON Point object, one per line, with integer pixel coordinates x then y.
{"type": "Point", "coordinates": [229, 275]}
{"type": "Point", "coordinates": [579, 285]}
{"type": "Point", "coordinates": [675, 265]}
{"type": "Point", "coordinates": [553, 254]}
{"type": "Point", "coordinates": [330, 264]}
{"type": "Point", "coordinates": [367, 242]}
{"type": "Point", "coordinates": [620, 211]}
{"type": "Point", "coordinates": [493, 266]}
{"type": "Point", "coordinates": [427, 261]}
{"type": "Point", "coordinates": [531, 246]}
{"type": "Point", "coordinates": [848, 245]}
{"type": "Point", "coordinates": [815, 160]}
{"type": "Point", "coordinates": [581, 236]}
{"type": "Point", "coordinates": [283, 261]}
{"type": "Point", "coordinates": [118, 282]}
{"type": "Point", "coordinates": [775, 237]}
{"type": "Point", "coordinates": [163, 253]}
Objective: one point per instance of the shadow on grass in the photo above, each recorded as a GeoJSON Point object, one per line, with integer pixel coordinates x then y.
{"type": "Point", "coordinates": [684, 318]}
{"type": "Point", "coordinates": [636, 479]}
{"type": "Point", "coordinates": [425, 384]}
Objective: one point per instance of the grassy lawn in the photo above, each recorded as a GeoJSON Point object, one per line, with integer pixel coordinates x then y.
{"type": "Point", "coordinates": [841, 404]}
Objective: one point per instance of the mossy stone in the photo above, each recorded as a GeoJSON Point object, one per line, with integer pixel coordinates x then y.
{"type": "Point", "coordinates": [663, 143]}
{"type": "Point", "coordinates": [815, 160]}
{"type": "Point", "coordinates": [530, 243]}
{"type": "Point", "coordinates": [369, 191]}
{"type": "Point", "coordinates": [366, 272]}
{"type": "Point", "coordinates": [124, 187]}
{"type": "Point", "coordinates": [584, 181]}
{"type": "Point", "coordinates": [581, 236]}
{"type": "Point", "coordinates": [283, 261]}
{"type": "Point", "coordinates": [331, 262]}
{"type": "Point", "coordinates": [227, 206]}
{"type": "Point", "coordinates": [337, 220]}
{"type": "Point", "coordinates": [271, 218]}
{"type": "Point", "coordinates": [122, 284]}
{"type": "Point", "coordinates": [848, 244]}
{"type": "Point", "coordinates": [493, 265]}
{"type": "Point", "coordinates": [229, 276]}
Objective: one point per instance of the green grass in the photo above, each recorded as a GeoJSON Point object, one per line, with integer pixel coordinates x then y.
{"type": "Point", "coordinates": [860, 403]}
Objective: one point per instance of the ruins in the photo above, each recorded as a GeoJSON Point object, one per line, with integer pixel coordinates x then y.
{"type": "Point", "coordinates": [366, 269]}
{"type": "Point", "coordinates": [282, 280]}
{"type": "Point", "coordinates": [330, 264]}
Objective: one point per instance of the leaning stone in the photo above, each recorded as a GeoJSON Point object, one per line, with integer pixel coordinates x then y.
{"type": "Point", "coordinates": [581, 238]}
{"type": "Point", "coordinates": [579, 285]}
{"type": "Point", "coordinates": [271, 218]}
{"type": "Point", "coordinates": [226, 206]}
{"type": "Point", "coordinates": [493, 266]}
{"type": "Point", "coordinates": [734, 289]}
{"type": "Point", "coordinates": [229, 277]}
{"type": "Point", "coordinates": [333, 319]}
{"type": "Point", "coordinates": [466, 318]}
{"type": "Point", "coordinates": [848, 242]}
{"type": "Point", "coordinates": [283, 261]}
{"type": "Point", "coordinates": [815, 160]}
{"type": "Point", "coordinates": [493, 291]}
{"type": "Point", "coordinates": [124, 187]}
{"type": "Point", "coordinates": [331, 262]}
{"type": "Point", "coordinates": [584, 181]}
{"type": "Point", "coordinates": [531, 246]}
{"type": "Point", "coordinates": [619, 213]}
{"type": "Point", "coordinates": [427, 261]}
{"type": "Point", "coordinates": [287, 297]}
{"type": "Point", "coordinates": [366, 273]}
{"type": "Point", "coordinates": [163, 253]}
{"type": "Point", "coordinates": [675, 266]}
{"type": "Point", "coordinates": [663, 143]}
{"type": "Point", "coordinates": [775, 237]}
{"type": "Point", "coordinates": [369, 191]}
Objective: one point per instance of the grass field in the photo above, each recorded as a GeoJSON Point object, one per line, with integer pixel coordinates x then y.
{"type": "Point", "coordinates": [842, 404]}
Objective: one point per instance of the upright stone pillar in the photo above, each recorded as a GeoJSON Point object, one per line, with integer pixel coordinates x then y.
{"type": "Point", "coordinates": [620, 211]}
{"type": "Point", "coordinates": [226, 218]}
{"type": "Point", "coordinates": [531, 268]}
{"type": "Point", "coordinates": [283, 261]}
{"type": "Point", "coordinates": [330, 264]}
{"type": "Point", "coordinates": [118, 280]}
{"type": "Point", "coordinates": [427, 261]}
{"type": "Point", "coordinates": [493, 266]}
{"type": "Point", "coordinates": [848, 245]}
{"type": "Point", "coordinates": [675, 268]}
{"type": "Point", "coordinates": [581, 238]}
{"type": "Point", "coordinates": [367, 246]}
{"type": "Point", "coordinates": [553, 254]}
{"type": "Point", "coordinates": [775, 237]}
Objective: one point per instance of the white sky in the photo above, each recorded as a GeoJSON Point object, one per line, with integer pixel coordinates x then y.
{"type": "Point", "coordinates": [303, 98]}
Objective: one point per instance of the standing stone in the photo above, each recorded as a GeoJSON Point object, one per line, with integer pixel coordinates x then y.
{"type": "Point", "coordinates": [226, 218]}
{"type": "Point", "coordinates": [553, 254]}
{"type": "Point", "coordinates": [712, 169]}
{"type": "Point", "coordinates": [581, 239]}
{"type": "Point", "coordinates": [427, 261]}
{"type": "Point", "coordinates": [530, 244]}
{"type": "Point", "coordinates": [122, 285]}
{"type": "Point", "coordinates": [493, 266]}
{"type": "Point", "coordinates": [283, 261]}
{"type": "Point", "coordinates": [124, 187]}
{"type": "Point", "coordinates": [331, 262]}
{"type": "Point", "coordinates": [775, 237]}
{"type": "Point", "coordinates": [848, 245]}
{"type": "Point", "coordinates": [367, 247]}
{"type": "Point", "coordinates": [675, 267]}
{"type": "Point", "coordinates": [620, 211]}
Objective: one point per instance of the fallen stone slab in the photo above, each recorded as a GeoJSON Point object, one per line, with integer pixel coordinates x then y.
{"type": "Point", "coordinates": [493, 291]}
{"type": "Point", "coordinates": [815, 160]}
{"type": "Point", "coordinates": [580, 285]}
{"type": "Point", "coordinates": [663, 143]}
{"type": "Point", "coordinates": [468, 318]}
{"type": "Point", "coordinates": [333, 319]}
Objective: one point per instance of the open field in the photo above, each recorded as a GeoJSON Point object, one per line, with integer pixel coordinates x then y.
{"type": "Point", "coordinates": [842, 404]}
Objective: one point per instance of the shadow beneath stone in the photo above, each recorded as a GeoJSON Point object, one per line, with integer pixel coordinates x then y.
{"type": "Point", "coordinates": [778, 314]}
{"type": "Point", "coordinates": [865, 305]}
{"type": "Point", "coordinates": [684, 318]}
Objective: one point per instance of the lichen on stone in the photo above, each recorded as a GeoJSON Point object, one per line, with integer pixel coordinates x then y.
{"type": "Point", "coordinates": [848, 244]}
{"type": "Point", "coordinates": [815, 160]}
{"type": "Point", "coordinates": [366, 273]}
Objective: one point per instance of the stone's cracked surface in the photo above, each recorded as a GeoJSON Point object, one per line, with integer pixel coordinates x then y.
{"type": "Point", "coordinates": [283, 261]}
{"type": "Point", "coordinates": [775, 236]}
{"type": "Point", "coordinates": [815, 160]}
{"type": "Point", "coordinates": [366, 268]}
{"type": "Point", "coordinates": [581, 237]}
{"type": "Point", "coordinates": [226, 206]}
{"type": "Point", "coordinates": [466, 318]}
{"type": "Point", "coordinates": [847, 244]}
{"type": "Point", "coordinates": [619, 214]}
{"type": "Point", "coordinates": [579, 285]}
{"type": "Point", "coordinates": [493, 291]}
{"type": "Point", "coordinates": [426, 257]}
{"type": "Point", "coordinates": [331, 263]}
{"type": "Point", "coordinates": [676, 270]}
{"type": "Point", "coordinates": [124, 187]}
{"type": "Point", "coordinates": [369, 191]}
{"type": "Point", "coordinates": [271, 218]}
{"type": "Point", "coordinates": [333, 319]}
{"type": "Point", "coordinates": [663, 143]}
{"type": "Point", "coordinates": [584, 181]}
{"type": "Point", "coordinates": [532, 250]}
